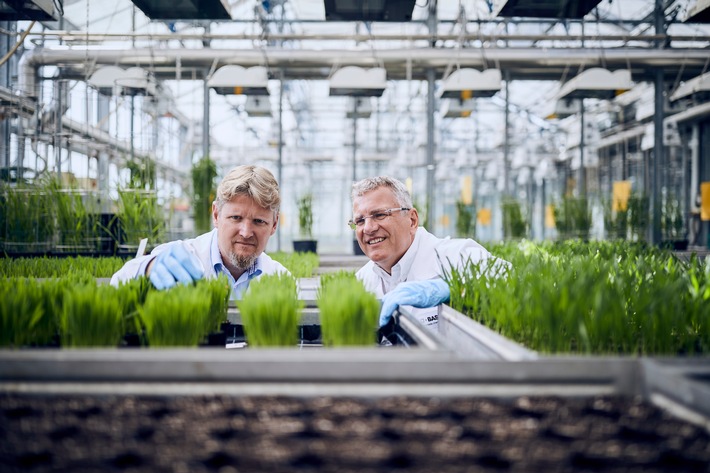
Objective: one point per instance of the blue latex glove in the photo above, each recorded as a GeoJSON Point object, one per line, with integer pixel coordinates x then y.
{"type": "Point", "coordinates": [429, 293]}
{"type": "Point", "coordinates": [175, 265]}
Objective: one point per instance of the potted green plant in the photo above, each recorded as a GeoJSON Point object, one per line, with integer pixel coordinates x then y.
{"type": "Point", "coordinates": [271, 311]}
{"type": "Point", "coordinates": [348, 312]}
{"type": "Point", "coordinates": [204, 190]}
{"type": "Point", "coordinates": [465, 220]}
{"type": "Point", "coordinates": [673, 226]}
{"type": "Point", "coordinates": [573, 218]}
{"type": "Point", "coordinates": [306, 243]}
{"type": "Point", "coordinates": [514, 225]}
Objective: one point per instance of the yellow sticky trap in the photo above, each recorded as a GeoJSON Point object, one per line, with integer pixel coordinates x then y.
{"type": "Point", "coordinates": [467, 190]}
{"type": "Point", "coordinates": [238, 90]}
{"type": "Point", "coordinates": [620, 194]}
{"type": "Point", "coordinates": [705, 201]}
{"type": "Point", "coordinates": [550, 216]}
{"type": "Point", "coordinates": [466, 94]}
{"type": "Point", "coordinates": [484, 217]}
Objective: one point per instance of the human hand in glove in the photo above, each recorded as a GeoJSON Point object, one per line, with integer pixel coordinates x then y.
{"type": "Point", "coordinates": [420, 294]}
{"type": "Point", "coordinates": [174, 265]}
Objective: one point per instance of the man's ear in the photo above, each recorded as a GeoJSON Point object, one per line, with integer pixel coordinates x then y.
{"type": "Point", "coordinates": [215, 214]}
{"type": "Point", "coordinates": [276, 224]}
{"type": "Point", "coordinates": [414, 218]}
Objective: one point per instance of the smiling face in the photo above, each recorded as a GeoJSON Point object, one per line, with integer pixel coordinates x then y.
{"type": "Point", "coordinates": [243, 230]}
{"type": "Point", "coordinates": [385, 241]}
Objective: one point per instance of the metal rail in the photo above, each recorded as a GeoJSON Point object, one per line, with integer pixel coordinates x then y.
{"type": "Point", "coordinates": [472, 340]}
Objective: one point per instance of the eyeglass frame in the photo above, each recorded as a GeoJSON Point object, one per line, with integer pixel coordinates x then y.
{"type": "Point", "coordinates": [379, 216]}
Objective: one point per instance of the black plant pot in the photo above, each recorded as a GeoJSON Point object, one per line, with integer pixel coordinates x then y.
{"type": "Point", "coordinates": [305, 246]}
{"type": "Point", "coordinates": [675, 245]}
{"type": "Point", "coordinates": [357, 251]}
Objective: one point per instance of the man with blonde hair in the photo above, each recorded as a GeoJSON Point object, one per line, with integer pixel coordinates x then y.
{"type": "Point", "coordinates": [245, 214]}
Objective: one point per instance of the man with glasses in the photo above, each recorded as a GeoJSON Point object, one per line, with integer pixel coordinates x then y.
{"type": "Point", "coordinates": [406, 261]}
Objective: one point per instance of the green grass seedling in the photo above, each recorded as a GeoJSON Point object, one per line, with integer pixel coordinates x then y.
{"type": "Point", "coordinates": [177, 317]}
{"type": "Point", "coordinates": [348, 312]}
{"type": "Point", "coordinates": [271, 311]}
{"type": "Point", "coordinates": [91, 317]}
{"type": "Point", "coordinates": [300, 265]}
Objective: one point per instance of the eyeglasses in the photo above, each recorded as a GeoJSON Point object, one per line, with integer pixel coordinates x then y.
{"type": "Point", "coordinates": [379, 216]}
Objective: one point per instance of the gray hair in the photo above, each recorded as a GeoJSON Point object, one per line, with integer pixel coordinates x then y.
{"type": "Point", "coordinates": [252, 181]}
{"type": "Point", "coordinates": [401, 194]}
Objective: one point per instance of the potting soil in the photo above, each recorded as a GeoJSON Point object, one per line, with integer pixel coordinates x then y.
{"type": "Point", "coordinates": [328, 434]}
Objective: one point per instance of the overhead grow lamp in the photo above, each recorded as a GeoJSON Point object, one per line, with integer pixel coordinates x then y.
{"type": "Point", "coordinates": [184, 9]}
{"type": "Point", "coordinates": [355, 81]}
{"type": "Point", "coordinates": [236, 80]}
{"type": "Point", "coordinates": [114, 80]}
{"type": "Point", "coordinates": [698, 87]}
{"type": "Point", "coordinates": [699, 12]}
{"type": "Point", "coordinates": [378, 10]}
{"type": "Point", "coordinates": [39, 10]}
{"type": "Point", "coordinates": [597, 83]}
{"type": "Point", "coordinates": [258, 106]}
{"type": "Point", "coordinates": [544, 9]}
{"type": "Point", "coordinates": [469, 83]}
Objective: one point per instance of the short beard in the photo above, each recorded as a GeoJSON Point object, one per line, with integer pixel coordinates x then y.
{"type": "Point", "coordinates": [241, 262]}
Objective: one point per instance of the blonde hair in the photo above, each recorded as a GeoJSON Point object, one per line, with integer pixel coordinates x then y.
{"type": "Point", "coordinates": [252, 181]}
{"type": "Point", "coordinates": [401, 194]}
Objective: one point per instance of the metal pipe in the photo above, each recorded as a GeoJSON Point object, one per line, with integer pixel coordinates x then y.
{"type": "Point", "coordinates": [73, 36]}
{"type": "Point", "coordinates": [423, 58]}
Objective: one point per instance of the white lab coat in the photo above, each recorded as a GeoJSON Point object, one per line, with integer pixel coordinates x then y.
{"type": "Point", "coordinates": [206, 249]}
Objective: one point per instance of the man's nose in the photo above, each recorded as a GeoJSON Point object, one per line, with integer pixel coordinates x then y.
{"type": "Point", "coordinates": [370, 225]}
{"type": "Point", "coordinates": [245, 229]}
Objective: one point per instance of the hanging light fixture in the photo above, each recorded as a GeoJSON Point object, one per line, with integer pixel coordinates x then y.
{"type": "Point", "coordinates": [544, 9]}
{"type": "Point", "coordinates": [597, 83]}
{"type": "Point", "coordinates": [358, 10]}
{"type": "Point", "coordinates": [355, 81]}
{"type": "Point", "coordinates": [236, 80]}
{"type": "Point", "coordinates": [114, 80]}
{"type": "Point", "coordinates": [469, 83]}
{"type": "Point", "coordinates": [184, 9]}
{"type": "Point", "coordinates": [697, 87]}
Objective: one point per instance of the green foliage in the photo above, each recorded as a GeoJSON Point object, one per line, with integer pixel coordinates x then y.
{"type": "Point", "coordinates": [26, 219]}
{"type": "Point", "coordinates": [300, 265]}
{"type": "Point", "coordinates": [271, 311]}
{"type": "Point", "coordinates": [573, 218]}
{"type": "Point", "coordinates": [204, 191]}
{"type": "Point", "coordinates": [465, 219]}
{"type": "Point", "coordinates": [179, 316]}
{"type": "Point", "coordinates": [46, 267]}
{"type": "Point", "coordinates": [514, 225]}
{"type": "Point", "coordinates": [91, 317]}
{"type": "Point", "coordinates": [77, 217]}
{"type": "Point", "coordinates": [639, 212]}
{"type": "Point", "coordinates": [596, 298]}
{"type": "Point", "coordinates": [140, 216]}
{"type": "Point", "coordinates": [305, 215]}
{"type": "Point", "coordinates": [21, 312]}
{"type": "Point", "coordinates": [672, 222]}
{"type": "Point", "coordinates": [219, 289]}
{"type": "Point", "coordinates": [142, 174]}
{"type": "Point", "coordinates": [348, 312]}
{"type": "Point", "coordinates": [616, 222]}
